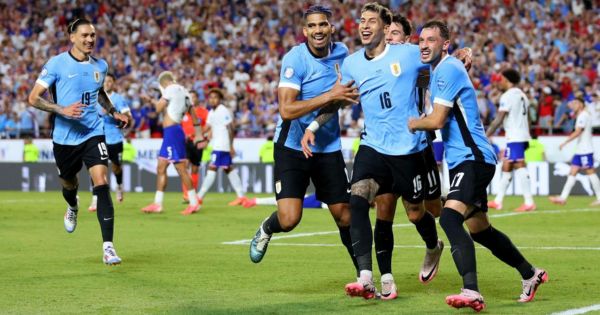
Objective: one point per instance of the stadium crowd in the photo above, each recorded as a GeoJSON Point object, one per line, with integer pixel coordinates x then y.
{"type": "Point", "coordinates": [238, 45]}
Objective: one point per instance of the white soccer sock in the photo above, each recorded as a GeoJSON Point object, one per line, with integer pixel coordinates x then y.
{"type": "Point", "coordinates": [568, 186]}
{"type": "Point", "coordinates": [158, 197]}
{"type": "Point", "coordinates": [366, 275]}
{"type": "Point", "coordinates": [206, 183]}
{"type": "Point", "coordinates": [236, 182]}
{"type": "Point", "coordinates": [94, 201]}
{"type": "Point", "coordinates": [443, 185]}
{"type": "Point", "coordinates": [595, 184]}
{"type": "Point", "coordinates": [522, 175]}
{"type": "Point", "coordinates": [107, 244]}
{"type": "Point", "coordinates": [504, 182]}
{"type": "Point", "coordinates": [267, 201]}
{"type": "Point", "coordinates": [192, 197]}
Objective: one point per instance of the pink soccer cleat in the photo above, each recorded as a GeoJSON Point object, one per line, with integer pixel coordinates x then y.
{"type": "Point", "coordinates": [557, 200]}
{"type": "Point", "coordinates": [494, 205]}
{"type": "Point", "coordinates": [526, 207]}
{"type": "Point", "coordinates": [530, 286]}
{"type": "Point", "coordinates": [362, 288]}
{"type": "Point", "coordinates": [152, 208]}
{"type": "Point", "coordinates": [191, 209]}
{"type": "Point", "coordinates": [249, 203]}
{"type": "Point", "coordinates": [595, 203]}
{"type": "Point", "coordinates": [466, 298]}
{"type": "Point", "coordinates": [238, 201]}
{"type": "Point", "coordinates": [120, 193]}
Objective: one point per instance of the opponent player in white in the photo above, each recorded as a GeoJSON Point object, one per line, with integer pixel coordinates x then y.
{"type": "Point", "coordinates": [174, 103]}
{"type": "Point", "coordinates": [584, 153]}
{"type": "Point", "coordinates": [220, 125]}
{"type": "Point", "coordinates": [514, 113]}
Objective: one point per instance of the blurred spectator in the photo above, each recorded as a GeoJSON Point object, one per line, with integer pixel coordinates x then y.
{"type": "Point", "coordinates": [129, 151]}
{"type": "Point", "coordinates": [546, 109]}
{"type": "Point", "coordinates": [266, 151]}
{"type": "Point", "coordinates": [31, 153]}
{"type": "Point", "coordinates": [535, 150]}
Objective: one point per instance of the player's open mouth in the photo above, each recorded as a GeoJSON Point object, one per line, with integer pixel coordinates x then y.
{"type": "Point", "coordinates": [319, 37]}
{"type": "Point", "coordinates": [366, 35]}
{"type": "Point", "coordinates": [425, 53]}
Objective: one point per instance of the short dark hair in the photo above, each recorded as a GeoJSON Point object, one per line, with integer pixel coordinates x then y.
{"type": "Point", "coordinates": [404, 22]}
{"type": "Point", "coordinates": [317, 9]}
{"type": "Point", "coordinates": [444, 32]}
{"type": "Point", "coordinates": [112, 75]}
{"type": "Point", "coordinates": [512, 76]}
{"type": "Point", "coordinates": [72, 27]}
{"type": "Point", "coordinates": [384, 13]}
{"type": "Point", "coordinates": [216, 91]}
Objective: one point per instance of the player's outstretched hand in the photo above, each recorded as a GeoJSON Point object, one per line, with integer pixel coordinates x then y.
{"type": "Point", "coordinates": [307, 140]}
{"type": "Point", "coordinates": [465, 55]}
{"type": "Point", "coordinates": [344, 93]}
{"type": "Point", "coordinates": [122, 119]}
{"type": "Point", "coordinates": [73, 111]}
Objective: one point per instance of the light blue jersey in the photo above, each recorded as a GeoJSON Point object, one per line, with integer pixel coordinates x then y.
{"type": "Point", "coordinates": [387, 87]}
{"type": "Point", "coordinates": [111, 130]}
{"type": "Point", "coordinates": [463, 134]}
{"type": "Point", "coordinates": [70, 81]}
{"type": "Point", "coordinates": [312, 76]}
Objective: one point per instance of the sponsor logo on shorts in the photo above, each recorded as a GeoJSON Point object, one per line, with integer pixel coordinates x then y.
{"type": "Point", "coordinates": [278, 186]}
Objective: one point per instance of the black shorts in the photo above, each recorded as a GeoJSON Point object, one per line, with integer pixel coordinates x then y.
{"type": "Point", "coordinates": [433, 188]}
{"type": "Point", "coordinates": [115, 153]}
{"type": "Point", "coordinates": [326, 170]}
{"type": "Point", "coordinates": [402, 175]}
{"type": "Point", "coordinates": [70, 158]}
{"type": "Point", "coordinates": [468, 184]}
{"type": "Point", "coordinates": [193, 154]}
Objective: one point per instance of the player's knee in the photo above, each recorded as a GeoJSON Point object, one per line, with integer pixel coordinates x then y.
{"type": "Point", "coordinates": [414, 213]}
{"type": "Point", "coordinates": [288, 221]}
{"type": "Point", "coordinates": [365, 188]}
{"type": "Point", "coordinates": [450, 218]}
{"type": "Point", "coordinates": [70, 184]}
{"type": "Point", "coordinates": [341, 214]}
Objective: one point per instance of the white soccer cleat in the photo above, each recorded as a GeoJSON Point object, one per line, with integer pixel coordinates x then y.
{"type": "Point", "coordinates": [431, 263]}
{"type": "Point", "coordinates": [530, 286]}
{"type": "Point", "coordinates": [70, 220]}
{"type": "Point", "coordinates": [389, 291]}
{"type": "Point", "coordinates": [110, 256]}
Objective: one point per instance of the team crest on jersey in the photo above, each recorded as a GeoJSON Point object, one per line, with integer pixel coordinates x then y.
{"type": "Point", "coordinates": [396, 70]}
{"type": "Point", "coordinates": [441, 84]}
{"type": "Point", "coordinates": [278, 186]}
{"type": "Point", "coordinates": [97, 76]}
{"type": "Point", "coordinates": [289, 72]}
{"type": "Point", "coordinates": [44, 72]}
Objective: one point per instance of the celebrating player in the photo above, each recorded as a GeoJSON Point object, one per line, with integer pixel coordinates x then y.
{"type": "Point", "coordinates": [514, 113]}
{"type": "Point", "coordinates": [220, 126]}
{"type": "Point", "coordinates": [584, 152]}
{"type": "Point", "coordinates": [75, 80]}
{"type": "Point", "coordinates": [308, 82]}
{"type": "Point", "coordinates": [114, 136]}
{"type": "Point", "coordinates": [174, 103]}
{"type": "Point", "coordinates": [472, 161]}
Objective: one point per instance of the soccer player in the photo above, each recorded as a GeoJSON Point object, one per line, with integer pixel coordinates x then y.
{"type": "Point", "coordinates": [514, 113]}
{"type": "Point", "coordinates": [193, 152]}
{"type": "Point", "coordinates": [471, 161]}
{"type": "Point", "coordinates": [309, 81]}
{"type": "Point", "coordinates": [390, 159]}
{"type": "Point", "coordinates": [174, 103]}
{"type": "Point", "coordinates": [74, 80]}
{"type": "Point", "coordinates": [584, 152]}
{"type": "Point", "coordinates": [114, 136]}
{"type": "Point", "coordinates": [220, 125]}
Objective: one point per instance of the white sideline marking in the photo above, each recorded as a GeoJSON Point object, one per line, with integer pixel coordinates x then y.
{"type": "Point", "coordinates": [421, 246]}
{"type": "Point", "coordinates": [582, 310]}
{"type": "Point", "coordinates": [499, 215]}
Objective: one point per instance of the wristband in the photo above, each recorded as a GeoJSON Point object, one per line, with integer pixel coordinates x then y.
{"type": "Point", "coordinates": [313, 126]}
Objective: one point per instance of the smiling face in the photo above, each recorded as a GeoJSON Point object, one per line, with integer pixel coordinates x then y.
{"type": "Point", "coordinates": [395, 34]}
{"type": "Point", "coordinates": [109, 83]}
{"type": "Point", "coordinates": [432, 45]}
{"type": "Point", "coordinates": [371, 29]}
{"type": "Point", "coordinates": [84, 39]}
{"type": "Point", "coordinates": [318, 32]}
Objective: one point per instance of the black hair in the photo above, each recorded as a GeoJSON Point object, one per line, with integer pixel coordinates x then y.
{"type": "Point", "coordinates": [384, 13]}
{"type": "Point", "coordinates": [404, 22]}
{"type": "Point", "coordinates": [317, 9]}
{"type": "Point", "coordinates": [72, 27]}
{"type": "Point", "coordinates": [112, 75]}
{"type": "Point", "coordinates": [444, 32]}
{"type": "Point", "coordinates": [512, 76]}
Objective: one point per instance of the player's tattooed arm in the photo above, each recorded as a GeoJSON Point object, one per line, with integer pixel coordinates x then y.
{"type": "Point", "coordinates": [104, 101]}
{"type": "Point", "coordinates": [495, 123]}
{"type": "Point", "coordinates": [36, 100]}
{"type": "Point", "coordinates": [324, 115]}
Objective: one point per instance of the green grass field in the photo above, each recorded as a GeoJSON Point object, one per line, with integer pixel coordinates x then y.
{"type": "Point", "coordinates": [177, 264]}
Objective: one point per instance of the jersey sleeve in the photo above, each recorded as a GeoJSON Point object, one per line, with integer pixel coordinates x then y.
{"type": "Point", "coordinates": [346, 74]}
{"type": "Point", "coordinates": [292, 71]}
{"type": "Point", "coordinates": [49, 74]}
{"type": "Point", "coordinates": [449, 81]}
{"type": "Point", "coordinates": [505, 103]}
{"type": "Point", "coordinates": [169, 91]}
{"type": "Point", "coordinates": [121, 105]}
{"type": "Point", "coordinates": [227, 118]}
{"type": "Point", "coordinates": [581, 121]}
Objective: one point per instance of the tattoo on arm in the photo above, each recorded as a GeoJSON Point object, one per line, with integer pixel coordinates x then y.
{"type": "Point", "coordinates": [105, 102]}
{"type": "Point", "coordinates": [45, 105]}
{"type": "Point", "coordinates": [327, 113]}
